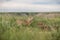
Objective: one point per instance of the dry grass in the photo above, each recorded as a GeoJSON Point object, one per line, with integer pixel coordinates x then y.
{"type": "Point", "coordinates": [37, 28]}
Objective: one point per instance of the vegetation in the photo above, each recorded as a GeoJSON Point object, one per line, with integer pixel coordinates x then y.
{"type": "Point", "coordinates": [28, 26]}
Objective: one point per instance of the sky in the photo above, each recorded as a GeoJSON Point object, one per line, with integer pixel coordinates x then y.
{"type": "Point", "coordinates": [29, 5]}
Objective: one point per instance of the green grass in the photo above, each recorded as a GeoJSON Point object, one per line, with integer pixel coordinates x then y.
{"type": "Point", "coordinates": [9, 30]}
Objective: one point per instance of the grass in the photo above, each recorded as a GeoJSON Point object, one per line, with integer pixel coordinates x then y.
{"type": "Point", "coordinates": [9, 30]}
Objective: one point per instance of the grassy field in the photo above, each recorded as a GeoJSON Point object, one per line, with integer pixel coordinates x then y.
{"type": "Point", "coordinates": [36, 27]}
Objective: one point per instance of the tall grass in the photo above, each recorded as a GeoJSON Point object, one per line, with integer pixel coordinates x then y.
{"type": "Point", "coordinates": [10, 30]}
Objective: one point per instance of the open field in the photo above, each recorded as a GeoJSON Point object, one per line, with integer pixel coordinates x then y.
{"type": "Point", "coordinates": [28, 26]}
